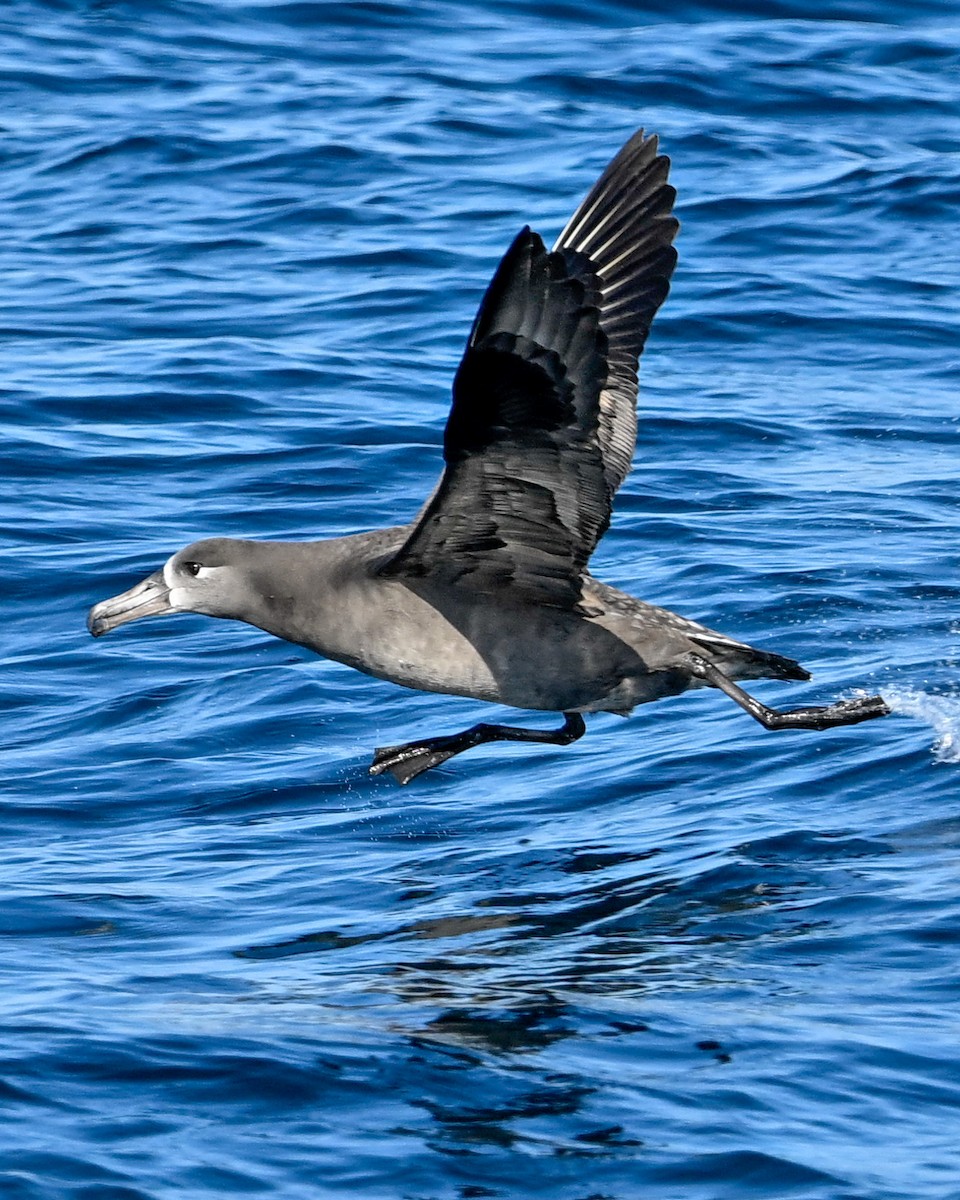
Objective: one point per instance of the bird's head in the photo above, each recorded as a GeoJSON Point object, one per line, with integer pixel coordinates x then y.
{"type": "Point", "coordinates": [206, 577]}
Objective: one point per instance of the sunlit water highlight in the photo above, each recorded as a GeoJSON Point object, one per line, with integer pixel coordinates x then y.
{"type": "Point", "coordinates": [940, 712]}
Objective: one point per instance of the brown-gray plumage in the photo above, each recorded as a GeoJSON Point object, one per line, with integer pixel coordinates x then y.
{"type": "Point", "coordinates": [487, 593]}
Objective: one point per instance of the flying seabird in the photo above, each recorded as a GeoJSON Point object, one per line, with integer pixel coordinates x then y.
{"type": "Point", "coordinates": [486, 593]}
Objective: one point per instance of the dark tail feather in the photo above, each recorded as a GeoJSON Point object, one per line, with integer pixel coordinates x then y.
{"type": "Point", "coordinates": [777, 666]}
{"type": "Point", "coordinates": [747, 662]}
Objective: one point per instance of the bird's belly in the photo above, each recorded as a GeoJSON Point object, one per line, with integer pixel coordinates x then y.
{"type": "Point", "coordinates": [533, 658]}
{"type": "Point", "coordinates": [643, 688]}
{"type": "Point", "coordinates": [428, 659]}
{"type": "Point", "coordinates": [403, 639]}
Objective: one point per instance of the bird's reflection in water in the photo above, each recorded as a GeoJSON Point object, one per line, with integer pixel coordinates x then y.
{"type": "Point", "coordinates": [482, 1094]}
{"type": "Point", "coordinates": [592, 920]}
{"type": "Point", "coordinates": [516, 1009]}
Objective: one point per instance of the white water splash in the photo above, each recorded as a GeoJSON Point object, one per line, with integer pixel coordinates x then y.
{"type": "Point", "coordinates": [940, 712]}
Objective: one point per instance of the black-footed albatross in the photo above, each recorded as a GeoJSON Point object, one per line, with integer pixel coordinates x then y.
{"type": "Point", "coordinates": [486, 593]}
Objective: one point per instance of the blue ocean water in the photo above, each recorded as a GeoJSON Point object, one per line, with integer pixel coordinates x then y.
{"type": "Point", "coordinates": [684, 958]}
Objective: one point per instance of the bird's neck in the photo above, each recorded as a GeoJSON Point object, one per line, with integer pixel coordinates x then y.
{"type": "Point", "coordinates": [317, 594]}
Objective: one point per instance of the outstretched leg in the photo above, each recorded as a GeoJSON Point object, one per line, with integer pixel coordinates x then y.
{"type": "Point", "coordinates": [408, 761]}
{"type": "Point", "coordinates": [842, 712]}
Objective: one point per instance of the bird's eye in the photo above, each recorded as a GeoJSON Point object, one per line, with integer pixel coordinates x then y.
{"type": "Point", "coordinates": [192, 567]}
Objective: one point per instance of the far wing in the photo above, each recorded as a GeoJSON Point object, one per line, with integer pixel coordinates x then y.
{"type": "Point", "coordinates": [541, 430]}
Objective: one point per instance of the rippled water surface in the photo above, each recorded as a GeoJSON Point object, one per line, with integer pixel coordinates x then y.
{"type": "Point", "coordinates": [685, 958]}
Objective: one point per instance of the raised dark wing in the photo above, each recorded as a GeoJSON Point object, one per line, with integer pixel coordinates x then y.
{"type": "Point", "coordinates": [543, 422]}
{"type": "Point", "coordinates": [622, 235]}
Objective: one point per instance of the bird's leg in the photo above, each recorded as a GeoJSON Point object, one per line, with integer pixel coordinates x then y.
{"type": "Point", "coordinates": [406, 762]}
{"type": "Point", "coordinates": [841, 712]}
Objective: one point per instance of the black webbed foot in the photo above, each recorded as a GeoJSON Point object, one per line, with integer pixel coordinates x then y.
{"type": "Point", "coordinates": [408, 761]}
{"type": "Point", "coordinates": [843, 712]}
{"type": "Point", "coordinates": [829, 716]}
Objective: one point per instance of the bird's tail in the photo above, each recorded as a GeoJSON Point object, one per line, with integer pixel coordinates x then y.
{"type": "Point", "coordinates": [740, 661]}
